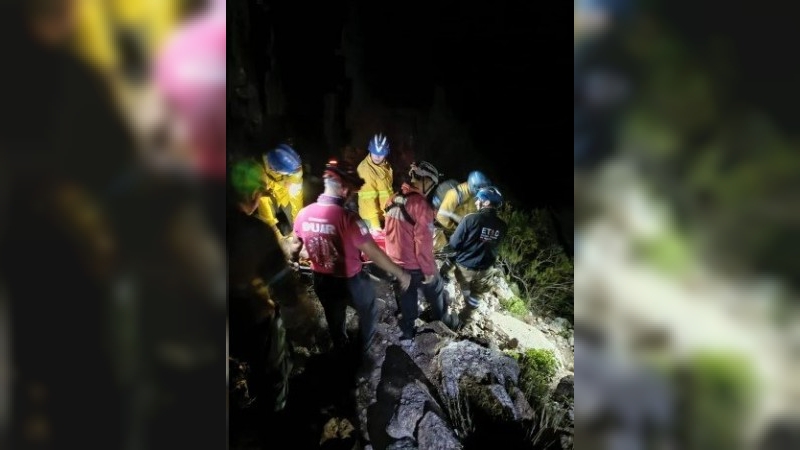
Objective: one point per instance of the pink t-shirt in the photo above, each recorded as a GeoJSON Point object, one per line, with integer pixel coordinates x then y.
{"type": "Point", "coordinates": [331, 235]}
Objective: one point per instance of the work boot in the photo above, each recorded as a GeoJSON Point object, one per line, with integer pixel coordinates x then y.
{"type": "Point", "coordinates": [407, 335]}
{"type": "Point", "coordinates": [452, 321]}
{"type": "Point", "coordinates": [465, 315]}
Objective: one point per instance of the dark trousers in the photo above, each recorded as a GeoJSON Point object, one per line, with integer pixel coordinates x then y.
{"type": "Point", "coordinates": [335, 293]}
{"type": "Point", "coordinates": [409, 306]}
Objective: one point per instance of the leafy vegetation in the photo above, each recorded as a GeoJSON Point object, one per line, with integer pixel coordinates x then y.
{"type": "Point", "coordinates": [538, 269]}
{"type": "Point", "coordinates": [537, 367]}
{"type": "Point", "coordinates": [721, 162]}
{"type": "Point", "coordinates": [668, 251]}
{"type": "Point", "coordinates": [717, 392]}
{"type": "Point", "coordinates": [516, 306]}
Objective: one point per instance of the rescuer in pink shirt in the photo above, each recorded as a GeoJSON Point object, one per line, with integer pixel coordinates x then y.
{"type": "Point", "coordinates": [409, 242]}
{"type": "Point", "coordinates": [333, 237]}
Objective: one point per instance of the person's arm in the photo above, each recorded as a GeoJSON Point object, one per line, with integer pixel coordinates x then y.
{"type": "Point", "coordinates": [446, 216]}
{"type": "Point", "coordinates": [457, 239]}
{"type": "Point", "coordinates": [296, 247]}
{"type": "Point", "coordinates": [423, 238]}
{"type": "Point", "coordinates": [295, 189]}
{"type": "Point", "coordinates": [368, 201]}
{"type": "Point", "coordinates": [385, 193]}
{"type": "Point", "coordinates": [266, 214]}
{"type": "Point", "coordinates": [293, 247]}
{"type": "Point", "coordinates": [382, 260]}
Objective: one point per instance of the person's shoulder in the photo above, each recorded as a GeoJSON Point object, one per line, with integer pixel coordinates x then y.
{"type": "Point", "coordinates": [305, 210]}
{"type": "Point", "coordinates": [349, 214]}
{"type": "Point", "coordinates": [469, 218]}
{"type": "Point", "coordinates": [354, 220]}
{"type": "Point", "coordinates": [418, 200]}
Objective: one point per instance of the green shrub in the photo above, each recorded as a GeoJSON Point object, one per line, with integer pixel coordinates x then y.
{"type": "Point", "coordinates": [717, 392]}
{"type": "Point", "coordinates": [516, 306]}
{"type": "Point", "coordinates": [537, 268]}
{"type": "Point", "coordinates": [668, 252]}
{"type": "Point", "coordinates": [537, 367]}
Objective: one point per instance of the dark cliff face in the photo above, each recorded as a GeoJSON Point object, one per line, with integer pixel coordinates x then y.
{"type": "Point", "coordinates": [464, 87]}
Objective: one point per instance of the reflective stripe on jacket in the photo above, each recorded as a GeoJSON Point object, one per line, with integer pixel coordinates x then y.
{"type": "Point", "coordinates": [285, 193]}
{"type": "Point", "coordinates": [457, 203]}
{"type": "Point", "coordinates": [377, 190]}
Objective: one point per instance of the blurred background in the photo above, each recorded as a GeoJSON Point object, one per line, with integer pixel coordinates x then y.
{"type": "Point", "coordinates": [686, 199]}
{"type": "Point", "coordinates": [113, 281]}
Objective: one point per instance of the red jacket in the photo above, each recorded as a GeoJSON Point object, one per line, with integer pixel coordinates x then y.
{"type": "Point", "coordinates": [411, 245]}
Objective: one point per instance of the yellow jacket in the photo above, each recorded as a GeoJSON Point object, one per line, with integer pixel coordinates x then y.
{"type": "Point", "coordinates": [457, 203]}
{"type": "Point", "coordinates": [97, 20]}
{"type": "Point", "coordinates": [285, 192]}
{"type": "Point", "coordinates": [376, 191]}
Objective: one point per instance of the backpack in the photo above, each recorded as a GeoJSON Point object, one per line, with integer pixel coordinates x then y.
{"type": "Point", "coordinates": [442, 189]}
{"type": "Point", "coordinates": [399, 201]}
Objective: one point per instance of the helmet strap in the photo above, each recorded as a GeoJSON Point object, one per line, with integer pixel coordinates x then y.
{"type": "Point", "coordinates": [432, 186]}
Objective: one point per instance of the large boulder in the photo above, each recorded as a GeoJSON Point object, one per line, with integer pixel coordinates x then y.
{"type": "Point", "coordinates": [438, 392]}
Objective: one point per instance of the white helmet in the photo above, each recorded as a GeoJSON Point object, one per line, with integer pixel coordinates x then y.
{"type": "Point", "coordinates": [424, 169]}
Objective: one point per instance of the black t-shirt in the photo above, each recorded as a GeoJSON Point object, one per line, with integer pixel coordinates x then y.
{"type": "Point", "coordinates": [477, 238]}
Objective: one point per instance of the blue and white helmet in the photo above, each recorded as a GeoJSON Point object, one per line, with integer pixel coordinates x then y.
{"type": "Point", "coordinates": [379, 145]}
{"type": "Point", "coordinates": [283, 160]}
{"type": "Point", "coordinates": [490, 194]}
{"type": "Point", "coordinates": [477, 180]}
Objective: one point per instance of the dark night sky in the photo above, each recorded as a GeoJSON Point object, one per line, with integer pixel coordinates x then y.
{"type": "Point", "coordinates": [503, 66]}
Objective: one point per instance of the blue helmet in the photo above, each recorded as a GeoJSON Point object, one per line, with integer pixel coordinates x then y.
{"type": "Point", "coordinates": [378, 145]}
{"type": "Point", "coordinates": [283, 160]}
{"type": "Point", "coordinates": [477, 180]}
{"type": "Point", "coordinates": [490, 194]}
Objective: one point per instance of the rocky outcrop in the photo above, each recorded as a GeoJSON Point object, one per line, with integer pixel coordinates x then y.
{"type": "Point", "coordinates": [440, 392]}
